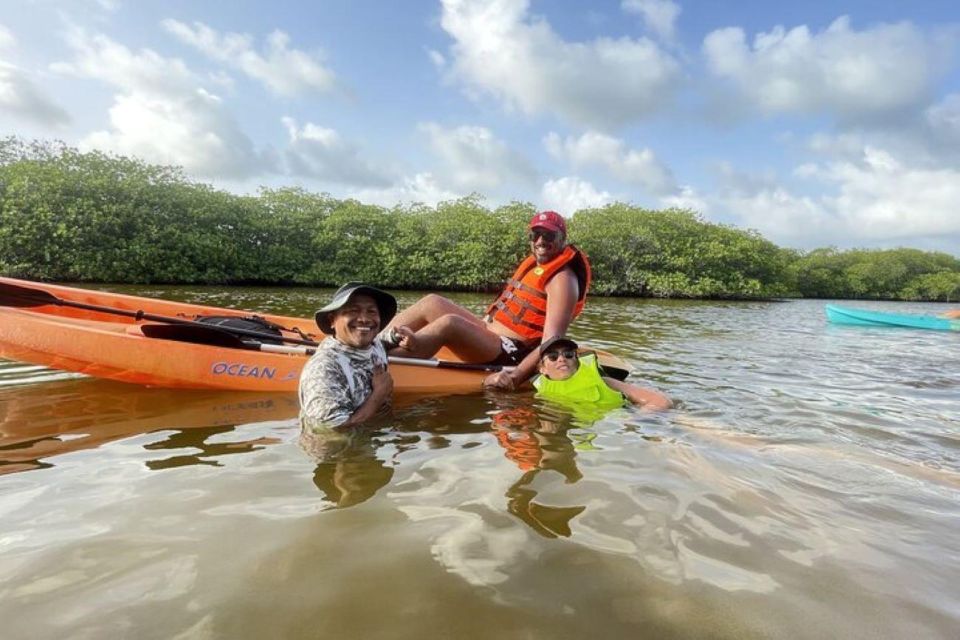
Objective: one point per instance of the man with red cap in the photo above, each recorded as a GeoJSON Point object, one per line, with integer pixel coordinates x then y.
{"type": "Point", "coordinates": [546, 292]}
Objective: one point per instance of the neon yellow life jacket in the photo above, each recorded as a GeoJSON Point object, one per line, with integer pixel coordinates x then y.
{"type": "Point", "coordinates": [584, 387]}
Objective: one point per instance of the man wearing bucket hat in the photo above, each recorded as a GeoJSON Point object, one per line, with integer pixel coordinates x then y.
{"type": "Point", "coordinates": [546, 292]}
{"type": "Point", "coordinates": [346, 381]}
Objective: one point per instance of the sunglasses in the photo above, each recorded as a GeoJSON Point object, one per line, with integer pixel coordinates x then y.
{"type": "Point", "coordinates": [548, 236]}
{"type": "Point", "coordinates": [568, 354]}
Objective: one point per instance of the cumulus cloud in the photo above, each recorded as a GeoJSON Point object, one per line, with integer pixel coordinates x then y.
{"type": "Point", "coordinates": [638, 167]}
{"type": "Point", "coordinates": [841, 71]}
{"type": "Point", "coordinates": [22, 99]}
{"type": "Point", "coordinates": [191, 130]}
{"type": "Point", "coordinates": [99, 57]}
{"type": "Point", "coordinates": [108, 5]}
{"type": "Point", "coordinates": [876, 199]}
{"type": "Point", "coordinates": [160, 112]}
{"type": "Point", "coordinates": [7, 39]}
{"type": "Point", "coordinates": [502, 51]}
{"type": "Point", "coordinates": [421, 188]}
{"type": "Point", "coordinates": [476, 160]}
{"type": "Point", "coordinates": [320, 153]}
{"type": "Point", "coordinates": [686, 198]}
{"type": "Point", "coordinates": [944, 118]}
{"type": "Point", "coordinates": [847, 145]}
{"type": "Point", "coordinates": [660, 16]}
{"type": "Point", "coordinates": [570, 194]}
{"type": "Point", "coordinates": [283, 70]}
{"type": "Point", "coordinates": [779, 215]}
{"type": "Point", "coordinates": [882, 197]}
{"type": "Point", "coordinates": [437, 58]}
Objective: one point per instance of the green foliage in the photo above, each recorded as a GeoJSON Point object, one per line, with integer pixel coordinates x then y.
{"type": "Point", "coordinates": [880, 274]}
{"type": "Point", "coordinates": [72, 216]}
{"type": "Point", "coordinates": [674, 253]}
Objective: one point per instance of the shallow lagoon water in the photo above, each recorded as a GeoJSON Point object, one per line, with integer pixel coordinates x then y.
{"type": "Point", "coordinates": [805, 487]}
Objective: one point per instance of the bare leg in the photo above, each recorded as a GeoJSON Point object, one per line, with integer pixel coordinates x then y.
{"type": "Point", "coordinates": [439, 322]}
{"type": "Point", "coordinates": [428, 309]}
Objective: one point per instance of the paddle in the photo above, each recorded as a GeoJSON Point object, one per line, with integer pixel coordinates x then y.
{"type": "Point", "coordinates": [215, 336]}
{"type": "Point", "coordinates": [12, 295]}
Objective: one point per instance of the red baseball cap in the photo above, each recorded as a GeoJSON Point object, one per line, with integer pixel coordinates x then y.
{"type": "Point", "coordinates": [549, 220]}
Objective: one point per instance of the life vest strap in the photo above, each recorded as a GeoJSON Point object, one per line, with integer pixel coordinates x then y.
{"type": "Point", "coordinates": [517, 318]}
{"type": "Point", "coordinates": [514, 284]}
{"type": "Point", "coordinates": [510, 296]}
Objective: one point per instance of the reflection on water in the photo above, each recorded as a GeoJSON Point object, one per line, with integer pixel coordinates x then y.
{"type": "Point", "coordinates": [40, 422]}
{"type": "Point", "coordinates": [348, 471]}
{"type": "Point", "coordinates": [806, 487]}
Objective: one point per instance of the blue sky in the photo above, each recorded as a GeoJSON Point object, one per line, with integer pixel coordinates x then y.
{"type": "Point", "coordinates": [815, 123]}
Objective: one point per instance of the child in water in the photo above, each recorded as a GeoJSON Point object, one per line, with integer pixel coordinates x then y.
{"type": "Point", "coordinates": [568, 377]}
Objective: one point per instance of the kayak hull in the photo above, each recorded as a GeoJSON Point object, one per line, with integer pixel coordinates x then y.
{"type": "Point", "coordinates": [113, 347]}
{"type": "Point", "coordinates": [865, 318]}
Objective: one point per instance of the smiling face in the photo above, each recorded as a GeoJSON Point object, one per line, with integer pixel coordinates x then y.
{"type": "Point", "coordinates": [356, 323]}
{"type": "Point", "coordinates": [559, 363]}
{"type": "Point", "coordinates": [545, 244]}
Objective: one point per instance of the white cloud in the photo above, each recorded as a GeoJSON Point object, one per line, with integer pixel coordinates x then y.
{"type": "Point", "coordinates": [22, 99]}
{"type": "Point", "coordinates": [322, 154]}
{"type": "Point", "coordinates": [660, 16]}
{"type": "Point", "coordinates": [842, 71]}
{"type": "Point", "coordinates": [283, 70]}
{"type": "Point", "coordinates": [848, 145]}
{"type": "Point", "coordinates": [687, 198]}
{"type": "Point", "coordinates": [161, 114]}
{"type": "Point", "coordinates": [637, 167]}
{"type": "Point", "coordinates": [569, 194]}
{"type": "Point", "coordinates": [99, 57]}
{"type": "Point", "coordinates": [500, 50]}
{"type": "Point", "coordinates": [944, 118]}
{"type": "Point", "coordinates": [437, 58]}
{"type": "Point", "coordinates": [476, 160]}
{"type": "Point", "coordinates": [222, 79]}
{"type": "Point", "coordinates": [420, 188]}
{"type": "Point", "coordinates": [780, 216]}
{"type": "Point", "coordinates": [7, 39]}
{"type": "Point", "coordinates": [190, 130]}
{"type": "Point", "coordinates": [877, 199]}
{"type": "Point", "coordinates": [880, 197]}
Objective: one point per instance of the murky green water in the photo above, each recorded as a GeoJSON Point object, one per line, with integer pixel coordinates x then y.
{"type": "Point", "coordinates": [806, 487]}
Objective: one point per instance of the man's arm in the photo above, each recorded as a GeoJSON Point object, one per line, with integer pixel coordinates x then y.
{"type": "Point", "coordinates": [563, 291]}
{"type": "Point", "coordinates": [381, 394]}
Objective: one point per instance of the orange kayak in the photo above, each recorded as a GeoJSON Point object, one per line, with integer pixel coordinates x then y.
{"type": "Point", "coordinates": [41, 324]}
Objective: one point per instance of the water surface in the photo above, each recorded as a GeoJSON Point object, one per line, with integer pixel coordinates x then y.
{"type": "Point", "coordinates": [805, 487]}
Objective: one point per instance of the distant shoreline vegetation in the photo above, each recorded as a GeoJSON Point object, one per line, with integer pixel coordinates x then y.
{"type": "Point", "coordinates": [93, 217]}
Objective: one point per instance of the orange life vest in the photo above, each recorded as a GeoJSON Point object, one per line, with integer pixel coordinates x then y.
{"type": "Point", "coordinates": [522, 307]}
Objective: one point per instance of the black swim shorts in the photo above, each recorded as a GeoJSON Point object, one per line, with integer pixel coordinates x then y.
{"type": "Point", "coordinates": [512, 351]}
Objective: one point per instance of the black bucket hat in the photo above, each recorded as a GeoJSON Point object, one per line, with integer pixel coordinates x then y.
{"type": "Point", "coordinates": [386, 304]}
{"type": "Point", "coordinates": [555, 341]}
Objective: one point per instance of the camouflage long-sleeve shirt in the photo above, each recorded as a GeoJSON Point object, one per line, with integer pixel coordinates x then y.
{"type": "Point", "coordinates": [336, 381]}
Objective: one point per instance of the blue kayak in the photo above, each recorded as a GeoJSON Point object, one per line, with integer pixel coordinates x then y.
{"type": "Point", "coordinates": [862, 317]}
